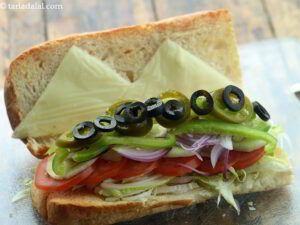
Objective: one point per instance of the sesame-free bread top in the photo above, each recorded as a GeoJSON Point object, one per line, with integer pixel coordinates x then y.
{"type": "Point", "coordinates": [208, 35]}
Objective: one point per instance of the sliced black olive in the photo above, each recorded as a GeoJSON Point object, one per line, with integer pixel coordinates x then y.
{"type": "Point", "coordinates": [135, 112]}
{"type": "Point", "coordinates": [105, 123]}
{"type": "Point", "coordinates": [119, 113]}
{"type": "Point", "coordinates": [155, 107]}
{"type": "Point", "coordinates": [174, 110]}
{"type": "Point", "coordinates": [233, 98]}
{"type": "Point", "coordinates": [261, 111]}
{"type": "Point", "coordinates": [207, 105]}
{"type": "Point", "coordinates": [84, 131]}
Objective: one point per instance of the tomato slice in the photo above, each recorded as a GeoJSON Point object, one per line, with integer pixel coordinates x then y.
{"type": "Point", "coordinates": [236, 159]}
{"type": "Point", "coordinates": [104, 170]}
{"type": "Point", "coordinates": [170, 167]}
{"type": "Point", "coordinates": [249, 158]}
{"type": "Point", "coordinates": [44, 182]}
{"type": "Point", "coordinates": [134, 168]}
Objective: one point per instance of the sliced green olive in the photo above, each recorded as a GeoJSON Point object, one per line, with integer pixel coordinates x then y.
{"type": "Point", "coordinates": [186, 109]}
{"type": "Point", "coordinates": [221, 111]}
{"type": "Point", "coordinates": [202, 102]}
{"type": "Point", "coordinates": [234, 98]}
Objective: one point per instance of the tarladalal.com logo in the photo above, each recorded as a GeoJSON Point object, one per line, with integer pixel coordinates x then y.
{"type": "Point", "coordinates": [30, 5]}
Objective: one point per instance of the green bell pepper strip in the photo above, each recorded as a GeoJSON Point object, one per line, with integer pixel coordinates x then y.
{"type": "Point", "coordinates": [106, 140]}
{"type": "Point", "coordinates": [58, 165]}
{"type": "Point", "coordinates": [141, 142]}
{"type": "Point", "coordinates": [217, 127]}
{"type": "Point", "coordinates": [90, 152]}
{"type": "Point", "coordinates": [258, 124]}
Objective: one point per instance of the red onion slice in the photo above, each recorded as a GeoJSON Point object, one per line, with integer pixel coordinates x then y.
{"type": "Point", "coordinates": [195, 142]}
{"type": "Point", "coordinates": [226, 142]}
{"type": "Point", "coordinates": [224, 145]}
{"type": "Point", "coordinates": [141, 155]}
{"type": "Point", "coordinates": [215, 154]}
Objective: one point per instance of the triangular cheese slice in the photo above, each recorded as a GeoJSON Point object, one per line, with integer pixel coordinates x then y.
{"type": "Point", "coordinates": [83, 87]}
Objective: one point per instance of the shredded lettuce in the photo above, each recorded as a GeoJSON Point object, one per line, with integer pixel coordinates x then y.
{"type": "Point", "coordinates": [222, 187]}
{"type": "Point", "coordinates": [25, 193]}
{"type": "Point", "coordinates": [120, 190]}
{"type": "Point", "coordinates": [175, 189]}
{"type": "Point", "coordinates": [240, 175]}
{"type": "Point", "coordinates": [245, 179]}
{"type": "Point", "coordinates": [276, 131]}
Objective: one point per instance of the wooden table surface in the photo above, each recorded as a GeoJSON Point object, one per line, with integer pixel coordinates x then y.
{"type": "Point", "coordinates": [253, 19]}
{"type": "Point", "coordinates": [270, 68]}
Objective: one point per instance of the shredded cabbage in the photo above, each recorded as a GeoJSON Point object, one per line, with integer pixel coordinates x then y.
{"type": "Point", "coordinates": [25, 193]}
{"type": "Point", "coordinates": [175, 189]}
{"type": "Point", "coordinates": [121, 190]}
{"type": "Point", "coordinates": [221, 187]}
{"type": "Point", "coordinates": [245, 179]}
{"type": "Point", "coordinates": [276, 131]}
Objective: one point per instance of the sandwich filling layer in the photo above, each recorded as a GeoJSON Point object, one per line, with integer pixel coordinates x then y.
{"type": "Point", "coordinates": [167, 145]}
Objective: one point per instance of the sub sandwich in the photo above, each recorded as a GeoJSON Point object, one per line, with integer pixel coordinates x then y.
{"type": "Point", "coordinates": [138, 120]}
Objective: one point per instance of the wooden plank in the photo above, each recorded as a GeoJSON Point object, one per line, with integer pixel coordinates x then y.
{"type": "Point", "coordinates": [93, 15]}
{"type": "Point", "coordinates": [3, 45]}
{"type": "Point", "coordinates": [250, 21]}
{"type": "Point", "coordinates": [26, 27]}
{"type": "Point", "coordinates": [284, 16]}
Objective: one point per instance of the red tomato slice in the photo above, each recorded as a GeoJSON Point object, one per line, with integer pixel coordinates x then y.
{"type": "Point", "coordinates": [134, 168]}
{"type": "Point", "coordinates": [45, 182]}
{"type": "Point", "coordinates": [249, 158]}
{"type": "Point", "coordinates": [170, 167]}
{"type": "Point", "coordinates": [236, 159]}
{"type": "Point", "coordinates": [104, 170]}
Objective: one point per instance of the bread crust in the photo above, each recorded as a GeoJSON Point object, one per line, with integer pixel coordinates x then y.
{"type": "Point", "coordinates": [162, 29]}
{"type": "Point", "coordinates": [84, 207]}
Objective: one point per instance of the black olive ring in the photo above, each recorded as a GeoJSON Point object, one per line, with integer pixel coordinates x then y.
{"type": "Point", "coordinates": [155, 107]}
{"type": "Point", "coordinates": [173, 110]}
{"type": "Point", "coordinates": [119, 117]}
{"type": "Point", "coordinates": [230, 89]}
{"type": "Point", "coordinates": [135, 112]}
{"type": "Point", "coordinates": [209, 100]}
{"type": "Point", "coordinates": [78, 135]}
{"type": "Point", "coordinates": [261, 111]}
{"type": "Point", "coordinates": [105, 123]}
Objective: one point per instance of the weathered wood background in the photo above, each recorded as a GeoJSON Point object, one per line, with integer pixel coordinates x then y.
{"type": "Point", "coordinates": [253, 19]}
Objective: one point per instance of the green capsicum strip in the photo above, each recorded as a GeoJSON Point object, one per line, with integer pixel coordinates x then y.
{"type": "Point", "coordinates": [223, 128]}
{"type": "Point", "coordinates": [58, 165]}
{"type": "Point", "coordinates": [141, 142]}
{"type": "Point", "coordinates": [106, 140]}
{"type": "Point", "coordinates": [90, 152]}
